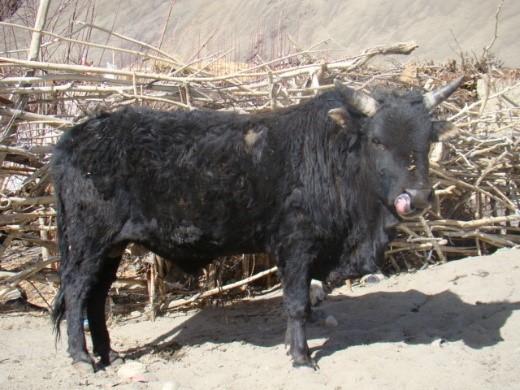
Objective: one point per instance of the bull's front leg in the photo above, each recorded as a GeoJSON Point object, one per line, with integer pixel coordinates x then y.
{"type": "Point", "coordinates": [295, 276]}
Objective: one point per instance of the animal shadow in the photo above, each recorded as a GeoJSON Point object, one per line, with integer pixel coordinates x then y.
{"type": "Point", "coordinates": [381, 317]}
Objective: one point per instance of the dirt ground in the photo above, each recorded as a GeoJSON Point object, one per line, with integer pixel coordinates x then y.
{"type": "Point", "coordinates": [447, 327]}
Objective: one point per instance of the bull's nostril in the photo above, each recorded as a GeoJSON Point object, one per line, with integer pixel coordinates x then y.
{"type": "Point", "coordinates": [420, 198]}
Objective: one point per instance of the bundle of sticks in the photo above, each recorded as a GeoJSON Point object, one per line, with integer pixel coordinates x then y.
{"type": "Point", "coordinates": [476, 178]}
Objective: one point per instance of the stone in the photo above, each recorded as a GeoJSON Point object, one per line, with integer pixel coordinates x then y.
{"type": "Point", "coordinates": [317, 292]}
{"type": "Point", "coordinates": [331, 322]}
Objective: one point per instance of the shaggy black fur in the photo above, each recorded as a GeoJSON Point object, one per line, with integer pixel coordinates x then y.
{"type": "Point", "coordinates": [192, 186]}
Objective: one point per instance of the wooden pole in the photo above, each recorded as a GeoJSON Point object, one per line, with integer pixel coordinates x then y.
{"type": "Point", "coordinates": [34, 52]}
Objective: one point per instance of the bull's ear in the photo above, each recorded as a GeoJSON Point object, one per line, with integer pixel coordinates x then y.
{"type": "Point", "coordinates": [444, 131]}
{"type": "Point", "coordinates": [339, 115]}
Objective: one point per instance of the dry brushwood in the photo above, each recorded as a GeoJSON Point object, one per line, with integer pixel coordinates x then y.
{"type": "Point", "coordinates": [476, 178]}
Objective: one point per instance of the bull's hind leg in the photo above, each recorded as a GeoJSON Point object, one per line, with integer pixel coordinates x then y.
{"type": "Point", "coordinates": [75, 287]}
{"type": "Point", "coordinates": [78, 279]}
{"type": "Point", "coordinates": [96, 312]}
{"type": "Point", "coordinates": [294, 272]}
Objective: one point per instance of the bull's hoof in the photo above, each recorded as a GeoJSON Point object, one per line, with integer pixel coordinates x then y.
{"type": "Point", "coordinates": [84, 368]}
{"type": "Point", "coordinates": [112, 359]}
{"type": "Point", "coordinates": [115, 358]}
{"type": "Point", "coordinates": [305, 362]}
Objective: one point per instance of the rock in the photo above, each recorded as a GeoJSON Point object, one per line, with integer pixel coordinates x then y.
{"type": "Point", "coordinates": [371, 279]}
{"type": "Point", "coordinates": [331, 322]}
{"type": "Point", "coordinates": [131, 369]}
{"type": "Point", "coordinates": [317, 293]}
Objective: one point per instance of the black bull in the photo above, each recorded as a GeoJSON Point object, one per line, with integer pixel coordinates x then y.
{"type": "Point", "coordinates": [321, 185]}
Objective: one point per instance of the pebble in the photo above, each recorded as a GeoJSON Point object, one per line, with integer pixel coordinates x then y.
{"type": "Point", "coordinates": [131, 369]}
{"type": "Point", "coordinates": [317, 293]}
{"type": "Point", "coordinates": [331, 322]}
{"type": "Point", "coordinates": [371, 279]}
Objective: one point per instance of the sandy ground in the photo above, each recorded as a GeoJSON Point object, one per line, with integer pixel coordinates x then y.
{"type": "Point", "coordinates": [447, 327]}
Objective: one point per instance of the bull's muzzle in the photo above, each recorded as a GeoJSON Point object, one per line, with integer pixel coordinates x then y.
{"type": "Point", "coordinates": [413, 202]}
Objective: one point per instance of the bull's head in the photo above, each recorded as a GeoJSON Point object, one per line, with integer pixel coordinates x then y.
{"type": "Point", "coordinates": [396, 132]}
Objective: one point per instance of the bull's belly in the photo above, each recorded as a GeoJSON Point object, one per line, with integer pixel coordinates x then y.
{"type": "Point", "coordinates": [193, 244]}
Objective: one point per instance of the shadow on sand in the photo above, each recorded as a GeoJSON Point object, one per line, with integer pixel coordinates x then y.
{"type": "Point", "coordinates": [381, 317]}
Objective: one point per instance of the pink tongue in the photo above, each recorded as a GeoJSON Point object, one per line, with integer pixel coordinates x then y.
{"type": "Point", "coordinates": [403, 204]}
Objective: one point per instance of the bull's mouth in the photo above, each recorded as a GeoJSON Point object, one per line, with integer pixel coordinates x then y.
{"type": "Point", "coordinates": [405, 209]}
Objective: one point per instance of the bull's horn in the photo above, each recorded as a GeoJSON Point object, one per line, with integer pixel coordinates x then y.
{"type": "Point", "coordinates": [359, 100]}
{"type": "Point", "coordinates": [433, 98]}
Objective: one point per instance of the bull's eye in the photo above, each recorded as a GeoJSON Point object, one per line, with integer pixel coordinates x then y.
{"type": "Point", "coordinates": [377, 143]}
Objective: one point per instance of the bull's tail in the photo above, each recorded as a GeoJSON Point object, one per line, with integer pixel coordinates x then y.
{"type": "Point", "coordinates": [58, 311]}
